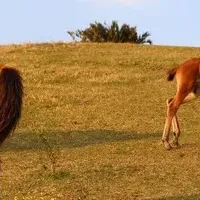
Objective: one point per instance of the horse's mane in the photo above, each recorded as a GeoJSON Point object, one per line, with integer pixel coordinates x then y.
{"type": "Point", "coordinates": [11, 94]}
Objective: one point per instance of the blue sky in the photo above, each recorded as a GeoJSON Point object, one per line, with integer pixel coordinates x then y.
{"type": "Point", "coordinates": [170, 22]}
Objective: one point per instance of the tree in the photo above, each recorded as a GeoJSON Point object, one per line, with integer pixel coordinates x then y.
{"type": "Point", "coordinates": [98, 32]}
{"type": "Point", "coordinates": [143, 38]}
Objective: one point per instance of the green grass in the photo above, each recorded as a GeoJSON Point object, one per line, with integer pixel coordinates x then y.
{"type": "Point", "coordinates": [102, 109]}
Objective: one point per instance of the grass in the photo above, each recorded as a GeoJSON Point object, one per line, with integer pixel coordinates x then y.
{"type": "Point", "coordinates": [102, 106]}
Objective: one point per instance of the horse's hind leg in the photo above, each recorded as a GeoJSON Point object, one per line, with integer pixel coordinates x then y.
{"type": "Point", "coordinates": [172, 108]}
{"type": "Point", "coordinates": [171, 112]}
{"type": "Point", "coordinates": [176, 131]}
{"type": "Point", "coordinates": [182, 96]}
{"type": "Point", "coordinates": [175, 127]}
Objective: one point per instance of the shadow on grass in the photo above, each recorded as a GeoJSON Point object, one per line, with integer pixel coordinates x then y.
{"type": "Point", "coordinates": [72, 139]}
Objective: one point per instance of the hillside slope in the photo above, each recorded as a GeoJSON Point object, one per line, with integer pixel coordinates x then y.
{"type": "Point", "coordinates": [95, 112]}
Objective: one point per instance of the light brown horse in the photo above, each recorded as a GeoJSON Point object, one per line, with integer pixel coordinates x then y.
{"type": "Point", "coordinates": [188, 88]}
{"type": "Point", "coordinates": [11, 94]}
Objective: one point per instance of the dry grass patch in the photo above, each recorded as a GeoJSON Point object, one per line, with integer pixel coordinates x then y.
{"type": "Point", "coordinates": [102, 109]}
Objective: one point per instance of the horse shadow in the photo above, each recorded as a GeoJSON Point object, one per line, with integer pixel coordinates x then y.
{"type": "Point", "coordinates": [70, 139]}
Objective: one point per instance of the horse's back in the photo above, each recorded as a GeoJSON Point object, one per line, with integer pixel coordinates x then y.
{"type": "Point", "coordinates": [189, 70]}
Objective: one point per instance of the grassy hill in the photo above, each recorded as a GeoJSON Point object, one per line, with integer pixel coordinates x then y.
{"type": "Point", "coordinates": [94, 113]}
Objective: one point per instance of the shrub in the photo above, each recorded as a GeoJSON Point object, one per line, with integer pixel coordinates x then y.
{"type": "Point", "coordinates": [98, 32]}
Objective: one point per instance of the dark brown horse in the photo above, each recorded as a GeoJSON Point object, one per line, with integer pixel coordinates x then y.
{"type": "Point", "coordinates": [188, 88]}
{"type": "Point", "coordinates": [11, 94]}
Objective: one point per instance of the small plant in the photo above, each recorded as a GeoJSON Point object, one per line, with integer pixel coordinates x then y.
{"type": "Point", "coordinates": [52, 153]}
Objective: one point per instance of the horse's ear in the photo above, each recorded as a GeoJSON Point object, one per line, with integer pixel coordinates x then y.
{"type": "Point", "coordinates": [1, 66]}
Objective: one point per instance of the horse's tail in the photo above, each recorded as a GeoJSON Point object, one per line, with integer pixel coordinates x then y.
{"type": "Point", "coordinates": [171, 74]}
{"type": "Point", "coordinates": [11, 94]}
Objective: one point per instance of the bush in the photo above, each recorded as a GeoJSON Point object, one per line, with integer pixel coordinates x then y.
{"type": "Point", "coordinates": [98, 32]}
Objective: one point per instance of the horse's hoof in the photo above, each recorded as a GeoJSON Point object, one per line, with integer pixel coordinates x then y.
{"type": "Point", "coordinates": [175, 144]}
{"type": "Point", "coordinates": [167, 146]}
